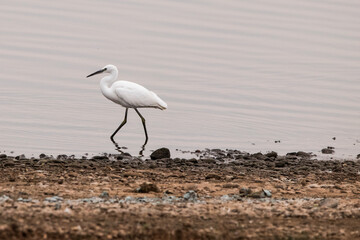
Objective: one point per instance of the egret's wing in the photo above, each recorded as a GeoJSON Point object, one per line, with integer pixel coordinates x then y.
{"type": "Point", "coordinates": [137, 96]}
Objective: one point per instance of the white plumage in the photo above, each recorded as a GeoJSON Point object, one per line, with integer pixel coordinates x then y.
{"type": "Point", "coordinates": [128, 95]}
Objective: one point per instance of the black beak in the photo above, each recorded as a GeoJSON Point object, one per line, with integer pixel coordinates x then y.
{"type": "Point", "coordinates": [97, 72]}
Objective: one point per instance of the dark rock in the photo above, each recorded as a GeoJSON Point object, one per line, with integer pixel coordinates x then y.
{"type": "Point", "coordinates": [168, 192]}
{"type": "Point", "coordinates": [3, 156]}
{"type": "Point", "coordinates": [104, 195]}
{"type": "Point", "coordinates": [208, 160]}
{"type": "Point", "coordinates": [160, 153]}
{"type": "Point", "coordinates": [230, 185]}
{"type": "Point", "coordinates": [258, 155]}
{"type": "Point", "coordinates": [9, 164]}
{"type": "Point", "coordinates": [100, 158]}
{"type": "Point", "coordinates": [271, 154]}
{"type": "Point", "coordinates": [213, 175]}
{"type": "Point", "coordinates": [62, 157]}
{"type": "Point", "coordinates": [57, 206]}
{"type": "Point", "coordinates": [126, 154]}
{"type": "Point", "coordinates": [43, 155]}
{"type": "Point", "coordinates": [147, 187]}
{"type": "Point", "coordinates": [280, 164]}
{"type": "Point", "coordinates": [328, 150]}
{"type": "Point", "coordinates": [259, 194]}
{"type": "Point", "coordinates": [303, 154]}
{"type": "Point", "coordinates": [358, 156]}
{"type": "Point", "coordinates": [245, 191]}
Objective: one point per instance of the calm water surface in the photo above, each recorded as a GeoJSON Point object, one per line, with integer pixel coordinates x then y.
{"type": "Point", "coordinates": [235, 74]}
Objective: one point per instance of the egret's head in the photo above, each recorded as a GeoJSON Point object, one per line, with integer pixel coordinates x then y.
{"type": "Point", "coordinates": [107, 69]}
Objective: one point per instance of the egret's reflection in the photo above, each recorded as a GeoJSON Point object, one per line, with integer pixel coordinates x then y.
{"type": "Point", "coordinates": [118, 148]}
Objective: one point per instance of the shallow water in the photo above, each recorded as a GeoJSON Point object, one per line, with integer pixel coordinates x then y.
{"type": "Point", "coordinates": [234, 75]}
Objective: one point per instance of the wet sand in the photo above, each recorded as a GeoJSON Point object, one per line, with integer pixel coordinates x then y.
{"type": "Point", "coordinates": [218, 195]}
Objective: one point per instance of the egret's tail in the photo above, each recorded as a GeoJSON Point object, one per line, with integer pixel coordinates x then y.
{"type": "Point", "coordinates": [160, 103]}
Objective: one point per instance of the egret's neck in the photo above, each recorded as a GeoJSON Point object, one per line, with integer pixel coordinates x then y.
{"type": "Point", "coordinates": [107, 81]}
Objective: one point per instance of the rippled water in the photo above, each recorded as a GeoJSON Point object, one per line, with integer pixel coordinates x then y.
{"type": "Point", "coordinates": [235, 74]}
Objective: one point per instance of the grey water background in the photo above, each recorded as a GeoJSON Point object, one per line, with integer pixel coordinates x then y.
{"type": "Point", "coordinates": [235, 74]}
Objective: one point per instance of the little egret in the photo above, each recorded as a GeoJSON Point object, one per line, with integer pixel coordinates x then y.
{"type": "Point", "coordinates": [128, 95]}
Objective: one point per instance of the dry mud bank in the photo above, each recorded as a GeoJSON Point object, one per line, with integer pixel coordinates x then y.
{"type": "Point", "coordinates": [221, 195]}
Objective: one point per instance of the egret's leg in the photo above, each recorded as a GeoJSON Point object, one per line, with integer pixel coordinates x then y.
{"type": "Point", "coordinates": [143, 122]}
{"type": "Point", "coordinates": [122, 124]}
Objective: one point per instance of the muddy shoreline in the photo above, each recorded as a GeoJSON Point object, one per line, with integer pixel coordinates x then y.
{"type": "Point", "coordinates": [221, 194]}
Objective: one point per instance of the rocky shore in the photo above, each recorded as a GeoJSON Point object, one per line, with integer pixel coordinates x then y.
{"type": "Point", "coordinates": [220, 194]}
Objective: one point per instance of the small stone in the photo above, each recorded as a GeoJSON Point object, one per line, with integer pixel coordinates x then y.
{"type": "Point", "coordinates": [57, 206]}
{"type": "Point", "coordinates": [168, 192]}
{"type": "Point", "coordinates": [62, 157]}
{"type": "Point", "coordinates": [190, 196]}
{"type": "Point", "coordinates": [280, 164]}
{"type": "Point", "coordinates": [3, 156]}
{"type": "Point", "coordinates": [104, 195]}
{"type": "Point", "coordinates": [271, 154]}
{"type": "Point", "coordinates": [230, 185]}
{"type": "Point", "coordinates": [147, 187]}
{"type": "Point", "coordinates": [213, 175]}
{"type": "Point", "coordinates": [43, 155]}
{"type": "Point", "coordinates": [328, 150]}
{"type": "Point", "coordinates": [160, 153]}
{"type": "Point", "coordinates": [258, 155]}
{"type": "Point", "coordinates": [259, 194]}
{"type": "Point", "coordinates": [226, 198]}
{"type": "Point", "coordinates": [267, 193]}
{"type": "Point", "coordinates": [245, 191]}
{"type": "Point", "coordinates": [229, 178]}
{"type": "Point", "coordinates": [4, 198]}
{"type": "Point", "coordinates": [358, 156]}
{"type": "Point", "coordinates": [53, 199]}
{"type": "Point", "coordinates": [20, 157]}
{"type": "Point", "coordinates": [100, 158]}
{"type": "Point", "coordinates": [329, 203]}
{"type": "Point", "coordinates": [303, 154]}
{"type": "Point", "coordinates": [67, 210]}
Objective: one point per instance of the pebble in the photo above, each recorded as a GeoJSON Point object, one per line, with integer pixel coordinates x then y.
{"type": "Point", "coordinates": [267, 193]}
{"type": "Point", "coordinates": [190, 196]}
{"type": "Point", "coordinates": [20, 199]}
{"type": "Point", "coordinates": [328, 150]}
{"type": "Point", "coordinates": [213, 175]}
{"type": "Point", "coordinates": [53, 199]}
{"type": "Point", "coordinates": [271, 154]}
{"type": "Point", "coordinates": [160, 153]}
{"type": "Point", "coordinates": [147, 187]}
{"type": "Point", "coordinates": [104, 195]}
{"type": "Point", "coordinates": [3, 156]}
{"type": "Point", "coordinates": [329, 202]}
{"type": "Point", "coordinates": [226, 198]}
{"type": "Point", "coordinates": [245, 191]}
{"type": "Point", "coordinates": [4, 198]}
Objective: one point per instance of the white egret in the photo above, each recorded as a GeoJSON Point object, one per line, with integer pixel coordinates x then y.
{"type": "Point", "coordinates": [128, 95]}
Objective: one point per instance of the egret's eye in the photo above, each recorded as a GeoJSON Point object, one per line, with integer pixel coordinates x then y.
{"type": "Point", "coordinates": [105, 69]}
